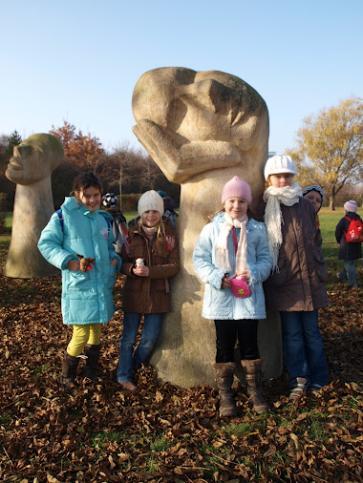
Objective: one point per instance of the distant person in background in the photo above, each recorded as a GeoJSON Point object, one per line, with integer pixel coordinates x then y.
{"type": "Point", "coordinates": [119, 226]}
{"type": "Point", "coordinates": [315, 194]}
{"type": "Point", "coordinates": [350, 250]}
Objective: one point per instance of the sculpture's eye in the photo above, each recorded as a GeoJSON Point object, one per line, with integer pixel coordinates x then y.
{"type": "Point", "coordinates": [24, 149]}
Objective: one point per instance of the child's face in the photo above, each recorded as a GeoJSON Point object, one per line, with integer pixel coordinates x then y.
{"type": "Point", "coordinates": [90, 198]}
{"type": "Point", "coordinates": [315, 199]}
{"type": "Point", "coordinates": [236, 208]}
{"type": "Point", "coordinates": [280, 180]}
{"type": "Point", "coordinates": [150, 218]}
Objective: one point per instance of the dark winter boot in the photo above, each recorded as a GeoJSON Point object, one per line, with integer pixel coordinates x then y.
{"type": "Point", "coordinates": [224, 378]}
{"type": "Point", "coordinates": [252, 370]}
{"type": "Point", "coordinates": [92, 352]}
{"type": "Point", "coordinates": [69, 369]}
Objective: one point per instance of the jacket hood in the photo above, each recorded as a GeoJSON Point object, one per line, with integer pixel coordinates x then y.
{"type": "Point", "coordinates": [71, 204]}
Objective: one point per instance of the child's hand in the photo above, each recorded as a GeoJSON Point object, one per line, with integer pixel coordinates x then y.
{"type": "Point", "coordinates": [114, 262]}
{"type": "Point", "coordinates": [85, 264]}
{"type": "Point", "coordinates": [226, 283]}
{"type": "Point", "coordinates": [141, 271]}
{"type": "Point", "coordinates": [73, 265]}
{"type": "Point", "coordinates": [244, 274]}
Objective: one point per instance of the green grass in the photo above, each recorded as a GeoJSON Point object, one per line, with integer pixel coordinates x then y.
{"type": "Point", "coordinates": [328, 221]}
{"type": "Point", "coordinates": [100, 440]}
{"type": "Point", "coordinates": [129, 215]}
{"type": "Point", "coordinates": [160, 444]}
{"type": "Point", "coordinates": [239, 429]}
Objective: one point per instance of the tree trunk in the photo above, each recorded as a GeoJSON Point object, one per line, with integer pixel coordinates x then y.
{"type": "Point", "coordinates": [332, 199]}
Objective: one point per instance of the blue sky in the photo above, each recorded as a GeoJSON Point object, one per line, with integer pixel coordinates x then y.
{"type": "Point", "coordinates": [79, 60]}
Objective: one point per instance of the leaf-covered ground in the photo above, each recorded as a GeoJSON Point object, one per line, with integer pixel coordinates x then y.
{"type": "Point", "coordinates": [164, 433]}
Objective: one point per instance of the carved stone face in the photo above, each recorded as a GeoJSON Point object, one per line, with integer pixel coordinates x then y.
{"type": "Point", "coordinates": [34, 159]}
{"type": "Point", "coordinates": [199, 106]}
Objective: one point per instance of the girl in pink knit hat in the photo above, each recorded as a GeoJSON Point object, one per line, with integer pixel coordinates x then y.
{"type": "Point", "coordinates": [232, 258]}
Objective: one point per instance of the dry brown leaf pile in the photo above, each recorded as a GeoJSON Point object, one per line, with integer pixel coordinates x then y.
{"type": "Point", "coordinates": [164, 433]}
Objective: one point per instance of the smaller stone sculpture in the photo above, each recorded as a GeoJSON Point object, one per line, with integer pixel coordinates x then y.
{"type": "Point", "coordinates": [30, 168]}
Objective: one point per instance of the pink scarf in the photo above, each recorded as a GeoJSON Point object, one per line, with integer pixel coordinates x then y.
{"type": "Point", "coordinates": [221, 248]}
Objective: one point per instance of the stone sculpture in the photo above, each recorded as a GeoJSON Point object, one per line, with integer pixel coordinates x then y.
{"type": "Point", "coordinates": [201, 128]}
{"type": "Point", "coordinates": [30, 168]}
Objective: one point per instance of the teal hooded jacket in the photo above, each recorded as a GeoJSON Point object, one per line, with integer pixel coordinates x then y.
{"type": "Point", "coordinates": [86, 296]}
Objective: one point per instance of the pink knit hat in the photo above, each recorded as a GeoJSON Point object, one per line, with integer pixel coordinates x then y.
{"type": "Point", "coordinates": [236, 188]}
{"type": "Point", "coordinates": [351, 205]}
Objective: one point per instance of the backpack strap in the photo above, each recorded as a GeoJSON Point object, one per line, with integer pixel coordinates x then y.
{"type": "Point", "coordinates": [108, 221]}
{"type": "Point", "coordinates": [61, 219]}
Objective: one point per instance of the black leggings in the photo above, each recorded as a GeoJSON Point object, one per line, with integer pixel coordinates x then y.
{"type": "Point", "coordinates": [227, 333]}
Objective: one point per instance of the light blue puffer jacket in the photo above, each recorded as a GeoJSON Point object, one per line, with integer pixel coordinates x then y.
{"type": "Point", "coordinates": [218, 303]}
{"type": "Point", "coordinates": [86, 296]}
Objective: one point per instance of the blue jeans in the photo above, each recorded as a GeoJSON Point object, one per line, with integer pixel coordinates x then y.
{"type": "Point", "coordinates": [303, 348]}
{"type": "Point", "coordinates": [130, 359]}
{"type": "Point", "coordinates": [351, 271]}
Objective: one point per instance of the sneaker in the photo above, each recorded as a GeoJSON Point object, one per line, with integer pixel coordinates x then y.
{"type": "Point", "coordinates": [127, 385]}
{"type": "Point", "coordinates": [299, 390]}
{"type": "Point", "coordinates": [342, 276]}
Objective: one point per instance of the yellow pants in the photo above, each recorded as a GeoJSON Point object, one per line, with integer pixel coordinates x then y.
{"type": "Point", "coordinates": [82, 335]}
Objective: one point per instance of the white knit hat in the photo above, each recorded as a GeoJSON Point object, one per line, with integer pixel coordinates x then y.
{"type": "Point", "coordinates": [279, 164]}
{"type": "Point", "coordinates": [351, 206]}
{"type": "Point", "coordinates": [150, 200]}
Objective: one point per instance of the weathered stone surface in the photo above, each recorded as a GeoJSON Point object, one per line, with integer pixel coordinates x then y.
{"type": "Point", "coordinates": [30, 168]}
{"type": "Point", "coordinates": [201, 128]}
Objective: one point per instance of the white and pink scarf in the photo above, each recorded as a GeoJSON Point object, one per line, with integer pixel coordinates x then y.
{"type": "Point", "coordinates": [221, 247]}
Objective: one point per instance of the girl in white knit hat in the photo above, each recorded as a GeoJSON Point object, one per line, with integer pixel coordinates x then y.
{"type": "Point", "coordinates": [296, 287]}
{"type": "Point", "coordinates": [151, 259]}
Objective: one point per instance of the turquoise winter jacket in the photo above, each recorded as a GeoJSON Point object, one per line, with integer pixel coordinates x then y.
{"type": "Point", "coordinates": [86, 296]}
{"type": "Point", "coordinates": [219, 303]}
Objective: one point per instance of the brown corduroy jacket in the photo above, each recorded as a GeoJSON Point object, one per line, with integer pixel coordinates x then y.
{"type": "Point", "coordinates": [299, 283]}
{"type": "Point", "coordinates": [152, 294]}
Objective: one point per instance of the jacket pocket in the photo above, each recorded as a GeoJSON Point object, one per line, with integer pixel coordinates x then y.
{"type": "Point", "coordinates": [79, 281]}
{"type": "Point", "coordinates": [284, 274]}
{"type": "Point", "coordinates": [159, 285]}
{"type": "Point", "coordinates": [320, 267]}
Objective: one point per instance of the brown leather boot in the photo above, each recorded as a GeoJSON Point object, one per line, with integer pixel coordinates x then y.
{"type": "Point", "coordinates": [69, 369]}
{"type": "Point", "coordinates": [92, 352]}
{"type": "Point", "coordinates": [224, 378]}
{"type": "Point", "coordinates": [252, 369]}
